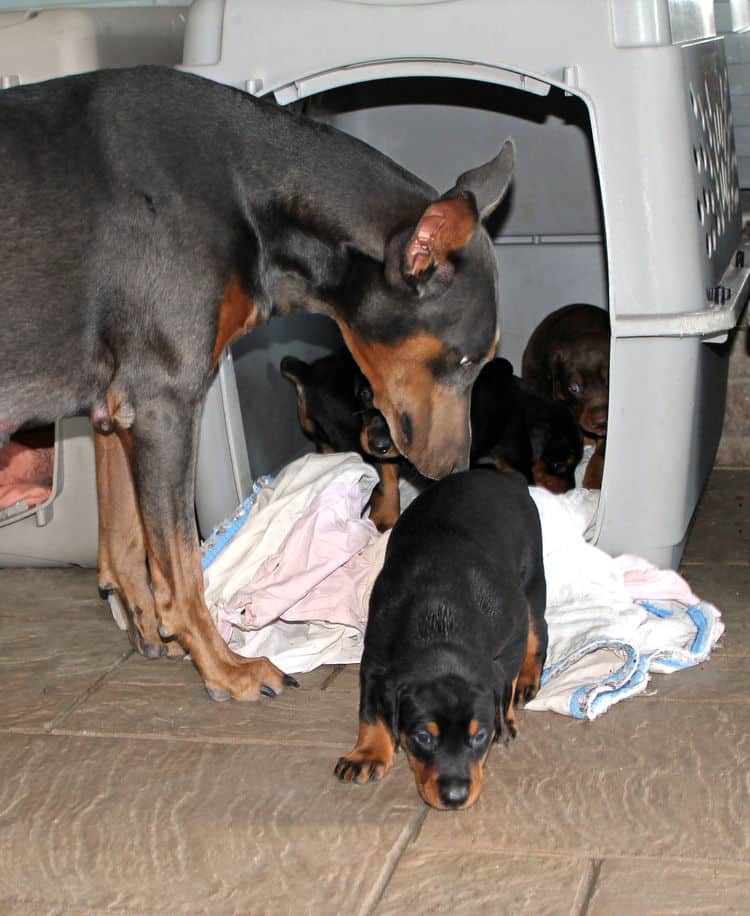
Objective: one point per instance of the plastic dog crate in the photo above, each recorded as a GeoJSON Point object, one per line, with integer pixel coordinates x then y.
{"type": "Point", "coordinates": [626, 196]}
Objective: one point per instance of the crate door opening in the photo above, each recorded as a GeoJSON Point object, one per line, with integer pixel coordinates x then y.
{"type": "Point", "coordinates": [549, 232]}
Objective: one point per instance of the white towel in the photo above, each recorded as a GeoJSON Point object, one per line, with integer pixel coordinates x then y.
{"type": "Point", "coordinates": [611, 621]}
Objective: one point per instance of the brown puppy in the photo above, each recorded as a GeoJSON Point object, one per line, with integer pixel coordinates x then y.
{"type": "Point", "coordinates": [567, 359]}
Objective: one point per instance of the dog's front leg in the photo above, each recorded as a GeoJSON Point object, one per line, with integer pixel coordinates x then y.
{"type": "Point", "coordinates": [123, 574]}
{"type": "Point", "coordinates": [163, 450]}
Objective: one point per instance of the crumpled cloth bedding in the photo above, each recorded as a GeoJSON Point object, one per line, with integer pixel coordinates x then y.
{"type": "Point", "coordinates": [612, 622]}
{"type": "Point", "coordinates": [290, 573]}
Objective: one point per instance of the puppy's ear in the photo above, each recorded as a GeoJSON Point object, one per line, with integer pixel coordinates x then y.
{"type": "Point", "coordinates": [297, 371]}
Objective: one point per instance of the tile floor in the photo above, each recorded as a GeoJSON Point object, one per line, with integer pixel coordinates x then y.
{"type": "Point", "coordinates": [124, 789]}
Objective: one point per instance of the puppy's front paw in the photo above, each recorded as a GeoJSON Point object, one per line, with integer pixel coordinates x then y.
{"type": "Point", "coordinates": [371, 757]}
{"type": "Point", "coordinates": [360, 767]}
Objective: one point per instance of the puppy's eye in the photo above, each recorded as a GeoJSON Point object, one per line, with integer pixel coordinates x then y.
{"type": "Point", "coordinates": [465, 362]}
{"type": "Point", "coordinates": [479, 737]}
{"type": "Point", "coordinates": [423, 739]}
{"type": "Point", "coordinates": [575, 388]}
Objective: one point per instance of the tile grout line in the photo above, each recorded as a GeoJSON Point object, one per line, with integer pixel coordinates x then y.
{"type": "Point", "coordinates": [587, 887]}
{"type": "Point", "coordinates": [406, 836]}
{"type": "Point", "coordinates": [61, 717]}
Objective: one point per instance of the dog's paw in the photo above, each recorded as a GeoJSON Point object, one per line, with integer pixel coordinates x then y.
{"type": "Point", "coordinates": [248, 680]}
{"type": "Point", "coordinates": [361, 768]}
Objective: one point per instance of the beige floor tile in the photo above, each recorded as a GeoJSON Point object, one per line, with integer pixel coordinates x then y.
{"type": "Point", "coordinates": [164, 826]}
{"type": "Point", "coordinates": [723, 678]}
{"type": "Point", "coordinates": [296, 717]}
{"type": "Point", "coordinates": [603, 810]}
{"type": "Point", "coordinates": [476, 882]}
{"type": "Point", "coordinates": [702, 738]}
{"type": "Point", "coordinates": [721, 530]}
{"type": "Point", "coordinates": [50, 657]}
{"type": "Point", "coordinates": [658, 888]}
{"type": "Point", "coordinates": [23, 590]}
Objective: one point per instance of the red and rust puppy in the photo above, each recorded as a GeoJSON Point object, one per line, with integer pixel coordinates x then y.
{"type": "Point", "coordinates": [456, 633]}
{"type": "Point", "coordinates": [151, 217]}
{"type": "Point", "coordinates": [567, 358]}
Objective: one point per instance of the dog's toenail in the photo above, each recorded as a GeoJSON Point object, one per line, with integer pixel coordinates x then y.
{"type": "Point", "coordinates": [267, 691]}
{"type": "Point", "coordinates": [289, 681]}
{"type": "Point", "coordinates": [165, 632]}
{"type": "Point", "coordinates": [218, 695]}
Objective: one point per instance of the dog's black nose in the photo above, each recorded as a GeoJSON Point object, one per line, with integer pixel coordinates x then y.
{"type": "Point", "coordinates": [379, 443]}
{"type": "Point", "coordinates": [454, 792]}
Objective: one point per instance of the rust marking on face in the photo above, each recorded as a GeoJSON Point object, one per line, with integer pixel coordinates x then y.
{"type": "Point", "coordinates": [551, 482]}
{"type": "Point", "coordinates": [473, 728]}
{"type": "Point", "coordinates": [237, 315]}
{"type": "Point", "coordinates": [426, 779]}
{"type": "Point", "coordinates": [433, 729]}
{"type": "Point", "coordinates": [477, 781]}
{"type": "Point", "coordinates": [428, 421]}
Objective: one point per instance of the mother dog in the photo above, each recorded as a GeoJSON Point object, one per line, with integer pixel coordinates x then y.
{"type": "Point", "coordinates": [150, 217]}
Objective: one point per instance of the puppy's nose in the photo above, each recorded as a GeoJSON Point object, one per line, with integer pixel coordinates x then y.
{"type": "Point", "coordinates": [379, 440]}
{"type": "Point", "coordinates": [454, 792]}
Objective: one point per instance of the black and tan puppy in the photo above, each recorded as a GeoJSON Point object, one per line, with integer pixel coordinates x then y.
{"type": "Point", "coordinates": [515, 427]}
{"type": "Point", "coordinates": [456, 633]}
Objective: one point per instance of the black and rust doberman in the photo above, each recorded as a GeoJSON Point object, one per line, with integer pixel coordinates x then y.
{"type": "Point", "coordinates": [455, 635]}
{"type": "Point", "coordinates": [567, 358]}
{"type": "Point", "coordinates": [150, 217]}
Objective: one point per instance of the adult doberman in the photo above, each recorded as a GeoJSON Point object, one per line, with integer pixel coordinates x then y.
{"type": "Point", "coordinates": [150, 217]}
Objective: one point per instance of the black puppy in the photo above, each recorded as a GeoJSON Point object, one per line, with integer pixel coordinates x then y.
{"type": "Point", "coordinates": [514, 426]}
{"type": "Point", "coordinates": [456, 633]}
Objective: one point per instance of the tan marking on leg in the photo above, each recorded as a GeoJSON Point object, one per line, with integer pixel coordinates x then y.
{"type": "Point", "coordinates": [122, 552]}
{"type": "Point", "coordinates": [237, 315]}
{"type": "Point", "coordinates": [371, 757]}
{"type": "Point", "coordinates": [178, 591]}
{"type": "Point", "coordinates": [530, 675]}
{"type": "Point", "coordinates": [385, 503]}
{"type": "Point", "coordinates": [594, 473]}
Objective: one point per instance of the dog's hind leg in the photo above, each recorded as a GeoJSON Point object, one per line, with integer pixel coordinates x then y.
{"type": "Point", "coordinates": [162, 455]}
{"type": "Point", "coordinates": [123, 575]}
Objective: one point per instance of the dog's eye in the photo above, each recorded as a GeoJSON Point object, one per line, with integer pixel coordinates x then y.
{"type": "Point", "coordinates": [575, 388]}
{"type": "Point", "coordinates": [465, 361]}
{"type": "Point", "coordinates": [479, 737]}
{"type": "Point", "coordinates": [423, 739]}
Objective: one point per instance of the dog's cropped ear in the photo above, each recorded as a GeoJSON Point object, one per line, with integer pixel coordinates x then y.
{"type": "Point", "coordinates": [489, 183]}
{"type": "Point", "coordinates": [448, 224]}
{"type": "Point", "coordinates": [445, 226]}
{"type": "Point", "coordinates": [296, 370]}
